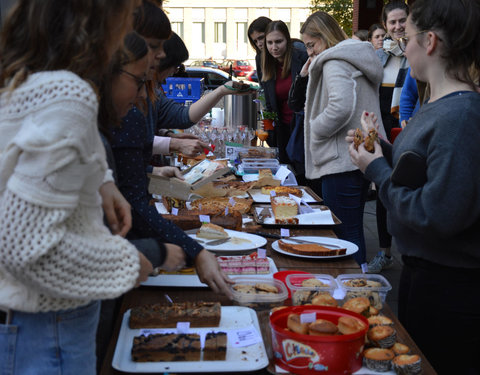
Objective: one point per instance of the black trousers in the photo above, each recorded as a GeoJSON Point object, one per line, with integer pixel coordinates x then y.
{"type": "Point", "coordinates": [440, 308]}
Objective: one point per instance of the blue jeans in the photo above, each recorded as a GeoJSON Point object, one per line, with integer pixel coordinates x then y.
{"type": "Point", "coordinates": [345, 194]}
{"type": "Point", "coordinates": [52, 343]}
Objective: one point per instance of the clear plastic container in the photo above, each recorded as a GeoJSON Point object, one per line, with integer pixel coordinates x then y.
{"type": "Point", "coordinates": [302, 293]}
{"type": "Point", "coordinates": [372, 286]}
{"type": "Point", "coordinates": [256, 298]}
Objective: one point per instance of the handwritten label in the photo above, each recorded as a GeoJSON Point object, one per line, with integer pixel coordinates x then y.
{"type": "Point", "coordinates": [226, 211]}
{"type": "Point", "coordinates": [204, 218]}
{"type": "Point", "coordinates": [272, 193]}
{"type": "Point", "coordinates": [232, 202]}
{"type": "Point", "coordinates": [175, 211]}
{"type": "Point", "coordinates": [244, 337]}
{"type": "Point", "coordinates": [284, 232]}
{"type": "Point", "coordinates": [262, 253]}
{"type": "Point", "coordinates": [308, 317]}
{"type": "Point", "coordinates": [183, 327]}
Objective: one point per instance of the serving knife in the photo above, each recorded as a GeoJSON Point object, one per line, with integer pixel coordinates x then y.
{"type": "Point", "coordinates": [218, 242]}
{"type": "Point", "coordinates": [297, 240]}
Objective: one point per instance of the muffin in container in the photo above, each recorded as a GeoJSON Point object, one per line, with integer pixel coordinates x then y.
{"type": "Point", "coordinates": [372, 286]}
{"type": "Point", "coordinates": [382, 336]}
{"type": "Point", "coordinates": [258, 293]}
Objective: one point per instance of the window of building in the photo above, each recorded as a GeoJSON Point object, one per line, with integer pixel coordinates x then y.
{"type": "Point", "coordinates": [198, 32]}
{"type": "Point", "coordinates": [242, 32]}
{"type": "Point", "coordinates": [220, 29]}
{"type": "Point", "coordinates": [177, 27]}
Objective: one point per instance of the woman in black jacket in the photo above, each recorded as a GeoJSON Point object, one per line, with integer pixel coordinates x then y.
{"type": "Point", "coordinates": [282, 60]}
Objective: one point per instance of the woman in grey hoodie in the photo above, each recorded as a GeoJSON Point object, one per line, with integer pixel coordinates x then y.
{"type": "Point", "coordinates": [344, 78]}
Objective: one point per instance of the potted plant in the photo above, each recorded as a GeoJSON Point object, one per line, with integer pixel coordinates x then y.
{"type": "Point", "coordinates": [267, 117]}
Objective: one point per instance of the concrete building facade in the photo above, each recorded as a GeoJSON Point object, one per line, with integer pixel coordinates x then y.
{"type": "Point", "coordinates": [218, 28]}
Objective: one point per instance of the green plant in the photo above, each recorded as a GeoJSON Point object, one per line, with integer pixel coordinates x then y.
{"type": "Point", "coordinates": [341, 10]}
{"type": "Point", "coordinates": [267, 115]}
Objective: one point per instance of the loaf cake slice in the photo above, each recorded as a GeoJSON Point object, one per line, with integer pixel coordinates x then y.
{"type": "Point", "coordinates": [215, 348]}
{"type": "Point", "coordinates": [199, 314]}
{"type": "Point", "coordinates": [167, 347]}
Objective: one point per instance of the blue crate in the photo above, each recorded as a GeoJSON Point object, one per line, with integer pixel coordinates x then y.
{"type": "Point", "coordinates": [182, 89]}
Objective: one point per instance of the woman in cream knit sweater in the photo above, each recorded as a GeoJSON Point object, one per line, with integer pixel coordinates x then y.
{"type": "Point", "coordinates": [344, 77]}
{"type": "Point", "coordinates": [57, 259]}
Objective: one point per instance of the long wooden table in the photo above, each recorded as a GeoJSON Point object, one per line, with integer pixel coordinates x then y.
{"type": "Point", "coordinates": [334, 267]}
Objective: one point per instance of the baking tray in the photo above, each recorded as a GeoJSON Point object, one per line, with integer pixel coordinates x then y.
{"type": "Point", "coordinates": [260, 211]}
{"type": "Point", "coordinates": [309, 195]}
{"type": "Point", "coordinates": [192, 280]}
{"type": "Point", "coordinates": [246, 358]}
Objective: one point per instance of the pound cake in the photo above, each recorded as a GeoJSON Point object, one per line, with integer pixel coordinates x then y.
{"type": "Point", "coordinates": [310, 249]}
{"type": "Point", "coordinates": [167, 347]}
{"type": "Point", "coordinates": [199, 314]}
{"type": "Point", "coordinates": [282, 190]}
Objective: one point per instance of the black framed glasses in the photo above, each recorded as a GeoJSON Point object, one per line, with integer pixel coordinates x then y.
{"type": "Point", "coordinates": [140, 81]}
{"type": "Point", "coordinates": [403, 41]}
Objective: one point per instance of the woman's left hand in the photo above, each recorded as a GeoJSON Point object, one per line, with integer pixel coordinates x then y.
{"type": "Point", "coordinates": [168, 172]}
{"type": "Point", "coordinates": [116, 208]}
{"type": "Point", "coordinates": [361, 157]}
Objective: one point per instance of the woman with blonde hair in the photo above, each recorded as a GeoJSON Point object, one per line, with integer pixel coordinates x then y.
{"type": "Point", "coordinates": [344, 77]}
{"type": "Point", "coordinates": [57, 258]}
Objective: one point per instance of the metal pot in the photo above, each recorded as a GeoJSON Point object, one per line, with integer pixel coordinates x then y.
{"type": "Point", "coordinates": [241, 110]}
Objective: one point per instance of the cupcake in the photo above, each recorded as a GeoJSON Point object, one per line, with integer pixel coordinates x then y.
{"type": "Point", "coordinates": [379, 320]}
{"type": "Point", "coordinates": [382, 336]}
{"type": "Point", "coordinates": [407, 364]}
{"type": "Point", "coordinates": [378, 359]}
{"type": "Point", "coordinates": [399, 349]}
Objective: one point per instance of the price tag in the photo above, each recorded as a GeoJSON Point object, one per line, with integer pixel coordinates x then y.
{"type": "Point", "coordinates": [183, 327]}
{"type": "Point", "coordinates": [175, 211]}
{"type": "Point", "coordinates": [200, 206]}
{"type": "Point", "coordinates": [262, 253]}
{"type": "Point", "coordinates": [226, 211]}
{"type": "Point", "coordinates": [272, 193]}
{"type": "Point", "coordinates": [284, 232]}
{"type": "Point", "coordinates": [232, 202]}
{"type": "Point", "coordinates": [244, 337]}
{"type": "Point", "coordinates": [308, 317]}
{"type": "Point", "coordinates": [204, 218]}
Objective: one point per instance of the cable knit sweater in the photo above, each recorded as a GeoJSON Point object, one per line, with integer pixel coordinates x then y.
{"type": "Point", "coordinates": [343, 82]}
{"type": "Point", "coordinates": [55, 252]}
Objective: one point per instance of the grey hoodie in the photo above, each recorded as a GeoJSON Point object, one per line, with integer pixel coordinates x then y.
{"type": "Point", "coordinates": [343, 82]}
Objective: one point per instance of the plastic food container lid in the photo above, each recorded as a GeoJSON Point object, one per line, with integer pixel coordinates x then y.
{"type": "Point", "coordinates": [259, 298]}
{"type": "Point", "coordinates": [294, 282]}
{"type": "Point", "coordinates": [385, 285]}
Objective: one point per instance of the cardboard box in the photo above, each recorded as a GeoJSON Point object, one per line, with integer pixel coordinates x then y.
{"type": "Point", "coordinates": [195, 177]}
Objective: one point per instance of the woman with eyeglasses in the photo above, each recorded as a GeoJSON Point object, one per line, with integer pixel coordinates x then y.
{"type": "Point", "coordinates": [344, 77]}
{"type": "Point", "coordinates": [57, 258]}
{"type": "Point", "coordinates": [132, 144]}
{"type": "Point", "coordinates": [395, 66]}
{"type": "Point", "coordinates": [430, 185]}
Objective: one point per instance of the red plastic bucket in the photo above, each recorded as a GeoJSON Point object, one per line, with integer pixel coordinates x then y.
{"type": "Point", "coordinates": [282, 276]}
{"type": "Point", "coordinates": [305, 354]}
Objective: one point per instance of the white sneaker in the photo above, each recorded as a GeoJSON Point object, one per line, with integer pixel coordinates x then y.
{"type": "Point", "coordinates": [380, 262]}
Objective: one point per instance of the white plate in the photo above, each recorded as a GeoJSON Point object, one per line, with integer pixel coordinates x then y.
{"type": "Point", "coordinates": [258, 197]}
{"type": "Point", "coordinates": [317, 217]}
{"type": "Point", "coordinates": [194, 281]}
{"type": "Point", "coordinates": [239, 241]}
{"type": "Point", "coordinates": [246, 358]}
{"type": "Point", "coordinates": [325, 241]}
